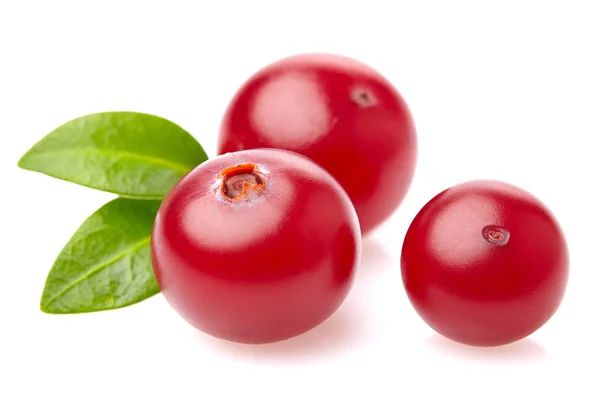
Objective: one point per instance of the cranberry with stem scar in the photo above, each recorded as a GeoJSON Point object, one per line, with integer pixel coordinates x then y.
{"type": "Point", "coordinates": [485, 263]}
{"type": "Point", "coordinates": [339, 112]}
{"type": "Point", "coordinates": [256, 246]}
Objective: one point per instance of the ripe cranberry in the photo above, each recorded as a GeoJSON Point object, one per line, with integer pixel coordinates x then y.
{"type": "Point", "coordinates": [485, 263]}
{"type": "Point", "coordinates": [256, 246]}
{"type": "Point", "coordinates": [338, 112]}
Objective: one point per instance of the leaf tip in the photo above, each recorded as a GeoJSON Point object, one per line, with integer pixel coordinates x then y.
{"type": "Point", "coordinates": [45, 308]}
{"type": "Point", "coordinates": [46, 304]}
{"type": "Point", "coordinates": [22, 162]}
{"type": "Point", "coordinates": [25, 162]}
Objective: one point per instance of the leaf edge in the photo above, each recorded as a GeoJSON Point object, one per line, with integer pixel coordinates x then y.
{"type": "Point", "coordinates": [21, 163]}
{"type": "Point", "coordinates": [46, 309]}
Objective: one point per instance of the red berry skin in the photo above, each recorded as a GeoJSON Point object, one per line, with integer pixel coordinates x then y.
{"type": "Point", "coordinates": [340, 113]}
{"type": "Point", "coordinates": [256, 246]}
{"type": "Point", "coordinates": [485, 263]}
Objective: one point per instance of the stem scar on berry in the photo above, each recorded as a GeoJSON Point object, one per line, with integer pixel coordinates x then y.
{"type": "Point", "coordinates": [496, 235]}
{"type": "Point", "coordinates": [363, 97]}
{"type": "Point", "coordinates": [242, 182]}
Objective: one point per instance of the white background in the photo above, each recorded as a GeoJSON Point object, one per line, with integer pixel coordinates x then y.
{"type": "Point", "coordinates": [505, 90]}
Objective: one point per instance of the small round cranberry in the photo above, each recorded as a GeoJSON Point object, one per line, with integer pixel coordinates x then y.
{"type": "Point", "coordinates": [340, 113]}
{"type": "Point", "coordinates": [256, 246]}
{"type": "Point", "coordinates": [485, 263]}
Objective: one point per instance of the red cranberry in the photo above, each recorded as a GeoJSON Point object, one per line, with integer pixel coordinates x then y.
{"type": "Point", "coordinates": [485, 263]}
{"type": "Point", "coordinates": [256, 246]}
{"type": "Point", "coordinates": [340, 113]}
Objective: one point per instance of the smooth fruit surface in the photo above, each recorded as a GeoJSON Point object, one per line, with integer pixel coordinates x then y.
{"type": "Point", "coordinates": [485, 263]}
{"type": "Point", "coordinates": [340, 113]}
{"type": "Point", "coordinates": [256, 246]}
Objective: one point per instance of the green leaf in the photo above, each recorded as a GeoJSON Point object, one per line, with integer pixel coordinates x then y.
{"type": "Point", "coordinates": [106, 264]}
{"type": "Point", "coordinates": [128, 153]}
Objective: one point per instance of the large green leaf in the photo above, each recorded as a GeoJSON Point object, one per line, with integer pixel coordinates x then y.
{"type": "Point", "coordinates": [128, 153]}
{"type": "Point", "coordinates": [106, 264]}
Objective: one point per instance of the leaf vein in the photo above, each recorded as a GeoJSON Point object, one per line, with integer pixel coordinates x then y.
{"type": "Point", "coordinates": [100, 151]}
{"type": "Point", "coordinates": [137, 246]}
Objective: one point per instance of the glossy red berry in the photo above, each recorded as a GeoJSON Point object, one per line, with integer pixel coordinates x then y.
{"type": "Point", "coordinates": [256, 246]}
{"type": "Point", "coordinates": [340, 113]}
{"type": "Point", "coordinates": [485, 263]}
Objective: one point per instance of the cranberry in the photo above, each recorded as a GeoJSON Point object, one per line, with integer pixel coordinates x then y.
{"type": "Point", "coordinates": [485, 263]}
{"type": "Point", "coordinates": [256, 246]}
{"type": "Point", "coordinates": [339, 112]}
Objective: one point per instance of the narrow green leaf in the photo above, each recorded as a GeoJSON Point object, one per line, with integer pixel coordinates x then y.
{"type": "Point", "coordinates": [106, 264]}
{"type": "Point", "coordinates": [128, 153]}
